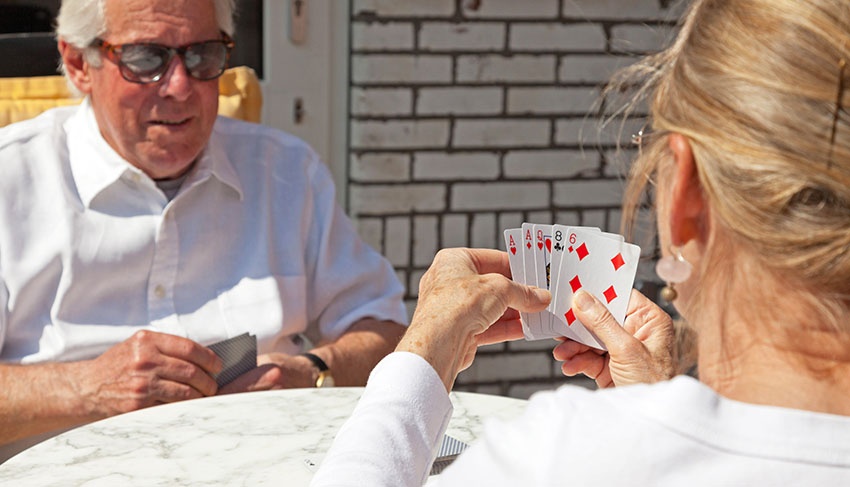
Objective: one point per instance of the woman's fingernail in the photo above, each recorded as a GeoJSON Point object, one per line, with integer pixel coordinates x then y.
{"type": "Point", "coordinates": [583, 300]}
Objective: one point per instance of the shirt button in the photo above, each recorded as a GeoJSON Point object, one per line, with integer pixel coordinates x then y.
{"type": "Point", "coordinates": [159, 291]}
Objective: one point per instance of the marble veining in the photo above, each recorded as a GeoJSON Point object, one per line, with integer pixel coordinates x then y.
{"type": "Point", "coordinates": [253, 439]}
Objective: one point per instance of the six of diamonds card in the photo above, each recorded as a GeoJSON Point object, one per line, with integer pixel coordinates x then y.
{"type": "Point", "coordinates": [565, 259]}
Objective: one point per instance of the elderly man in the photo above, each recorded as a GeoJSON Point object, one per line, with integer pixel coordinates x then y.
{"type": "Point", "coordinates": [139, 227]}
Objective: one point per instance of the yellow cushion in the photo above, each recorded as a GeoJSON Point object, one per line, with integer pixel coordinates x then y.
{"type": "Point", "coordinates": [22, 98]}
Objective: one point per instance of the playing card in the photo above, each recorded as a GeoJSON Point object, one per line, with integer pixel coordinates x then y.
{"type": "Point", "coordinates": [602, 265]}
{"type": "Point", "coordinates": [449, 451]}
{"type": "Point", "coordinates": [560, 234]}
{"type": "Point", "coordinates": [238, 355]}
{"type": "Point", "coordinates": [513, 243]}
{"type": "Point", "coordinates": [542, 251]}
{"type": "Point", "coordinates": [529, 264]}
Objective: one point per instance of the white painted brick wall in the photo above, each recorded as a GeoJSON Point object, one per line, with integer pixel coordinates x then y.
{"type": "Point", "coordinates": [439, 36]}
{"type": "Point", "coordinates": [512, 9]}
{"type": "Point", "coordinates": [501, 133]}
{"type": "Point", "coordinates": [454, 231]}
{"type": "Point", "coordinates": [381, 101]}
{"type": "Point", "coordinates": [551, 100]}
{"type": "Point", "coordinates": [468, 117]}
{"type": "Point", "coordinates": [515, 195]}
{"type": "Point", "coordinates": [458, 166]}
{"type": "Point", "coordinates": [399, 35]}
{"type": "Point", "coordinates": [377, 199]}
{"type": "Point", "coordinates": [404, 8]}
{"type": "Point", "coordinates": [459, 101]}
{"type": "Point", "coordinates": [557, 37]}
{"type": "Point", "coordinates": [496, 67]}
{"type": "Point", "coordinates": [400, 68]}
{"type": "Point", "coordinates": [550, 163]}
{"type": "Point", "coordinates": [381, 167]}
{"type": "Point", "coordinates": [399, 134]}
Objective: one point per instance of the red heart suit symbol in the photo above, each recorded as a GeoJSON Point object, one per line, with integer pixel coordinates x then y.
{"type": "Point", "coordinates": [513, 250]}
{"type": "Point", "coordinates": [549, 244]}
{"type": "Point", "coordinates": [540, 245]}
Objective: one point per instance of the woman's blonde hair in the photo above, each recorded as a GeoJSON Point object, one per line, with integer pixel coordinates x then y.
{"type": "Point", "coordinates": [757, 87]}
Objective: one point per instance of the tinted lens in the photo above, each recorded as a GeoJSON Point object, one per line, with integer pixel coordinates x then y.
{"type": "Point", "coordinates": [144, 62]}
{"type": "Point", "coordinates": [206, 60]}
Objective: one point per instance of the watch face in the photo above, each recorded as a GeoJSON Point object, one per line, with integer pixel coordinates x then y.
{"type": "Point", "coordinates": [325, 380]}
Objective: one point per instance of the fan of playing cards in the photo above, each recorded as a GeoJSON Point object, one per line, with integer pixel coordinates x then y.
{"type": "Point", "coordinates": [565, 259]}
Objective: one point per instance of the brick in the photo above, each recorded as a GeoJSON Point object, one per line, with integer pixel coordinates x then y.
{"type": "Point", "coordinates": [375, 35]}
{"type": "Point", "coordinates": [404, 8]}
{"type": "Point", "coordinates": [382, 199]}
{"type": "Point", "coordinates": [425, 244]}
{"type": "Point", "coordinates": [491, 196]}
{"type": "Point", "coordinates": [462, 101]}
{"type": "Point", "coordinates": [568, 218]}
{"type": "Point", "coordinates": [370, 230]}
{"type": "Point", "coordinates": [484, 231]}
{"type": "Point", "coordinates": [506, 221]}
{"type": "Point", "coordinates": [552, 100]}
{"type": "Point", "coordinates": [397, 241]}
{"type": "Point", "coordinates": [381, 101]}
{"type": "Point", "coordinates": [400, 68]}
{"type": "Point", "coordinates": [540, 216]}
{"type": "Point", "coordinates": [595, 218]}
{"type": "Point", "coordinates": [557, 37]}
{"type": "Point", "coordinates": [399, 133]}
{"type": "Point", "coordinates": [640, 38]}
{"type": "Point", "coordinates": [455, 166]}
{"type": "Point", "coordinates": [619, 162]}
{"type": "Point", "coordinates": [454, 230]}
{"type": "Point", "coordinates": [588, 193]}
{"type": "Point", "coordinates": [413, 282]}
{"type": "Point", "coordinates": [591, 69]}
{"type": "Point", "coordinates": [436, 36]}
{"type": "Point", "coordinates": [501, 133]}
{"type": "Point", "coordinates": [380, 167]}
{"type": "Point", "coordinates": [510, 10]}
{"type": "Point", "coordinates": [590, 133]}
{"type": "Point", "coordinates": [509, 367]}
{"type": "Point", "coordinates": [550, 163]}
{"type": "Point", "coordinates": [617, 9]}
{"type": "Point", "coordinates": [410, 305]}
{"type": "Point", "coordinates": [499, 68]}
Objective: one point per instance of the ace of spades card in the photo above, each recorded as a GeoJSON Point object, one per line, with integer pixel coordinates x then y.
{"type": "Point", "coordinates": [601, 265]}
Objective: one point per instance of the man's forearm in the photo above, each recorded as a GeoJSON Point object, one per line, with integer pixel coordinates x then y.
{"type": "Point", "coordinates": [353, 356]}
{"type": "Point", "coordinates": [39, 398]}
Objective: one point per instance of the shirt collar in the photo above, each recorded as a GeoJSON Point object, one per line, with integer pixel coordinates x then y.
{"type": "Point", "coordinates": [95, 165]}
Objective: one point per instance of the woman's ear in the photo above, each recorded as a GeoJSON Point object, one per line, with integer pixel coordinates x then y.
{"type": "Point", "coordinates": [76, 67]}
{"type": "Point", "coordinates": [688, 210]}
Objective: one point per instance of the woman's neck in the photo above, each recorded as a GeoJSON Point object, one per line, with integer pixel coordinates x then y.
{"type": "Point", "coordinates": [794, 366]}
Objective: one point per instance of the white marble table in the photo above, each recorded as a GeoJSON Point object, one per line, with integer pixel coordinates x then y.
{"type": "Point", "coordinates": [259, 438]}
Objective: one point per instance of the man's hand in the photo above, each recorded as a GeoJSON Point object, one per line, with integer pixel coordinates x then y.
{"type": "Point", "coordinates": [640, 351]}
{"type": "Point", "coordinates": [274, 371]}
{"type": "Point", "coordinates": [466, 300]}
{"type": "Point", "coordinates": [148, 368]}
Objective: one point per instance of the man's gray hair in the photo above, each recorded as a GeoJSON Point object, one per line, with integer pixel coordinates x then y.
{"type": "Point", "coordinates": [81, 21]}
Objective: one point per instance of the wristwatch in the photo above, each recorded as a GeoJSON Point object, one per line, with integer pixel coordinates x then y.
{"type": "Point", "coordinates": [325, 378]}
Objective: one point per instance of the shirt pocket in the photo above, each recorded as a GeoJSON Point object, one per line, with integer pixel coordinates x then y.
{"type": "Point", "coordinates": [268, 307]}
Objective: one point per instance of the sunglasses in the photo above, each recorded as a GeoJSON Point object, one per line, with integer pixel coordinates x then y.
{"type": "Point", "coordinates": [146, 63]}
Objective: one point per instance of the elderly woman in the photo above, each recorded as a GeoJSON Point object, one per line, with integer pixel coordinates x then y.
{"type": "Point", "coordinates": [750, 160]}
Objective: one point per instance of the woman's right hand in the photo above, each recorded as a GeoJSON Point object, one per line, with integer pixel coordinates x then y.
{"type": "Point", "coordinates": [640, 351]}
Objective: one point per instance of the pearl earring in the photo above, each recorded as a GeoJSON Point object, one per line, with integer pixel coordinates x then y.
{"type": "Point", "coordinates": [673, 269]}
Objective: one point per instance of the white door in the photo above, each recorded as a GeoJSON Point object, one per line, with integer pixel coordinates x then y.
{"type": "Point", "coordinates": [306, 76]}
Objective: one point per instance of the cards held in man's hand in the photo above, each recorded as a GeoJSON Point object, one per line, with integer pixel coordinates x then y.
{"type": "Point", "coordinates": [238, 355]}
{"type": "Point", "coordinates": [565, 259]}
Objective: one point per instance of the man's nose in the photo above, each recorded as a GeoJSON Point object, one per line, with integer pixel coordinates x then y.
{"type": "Point", "coordinates": [176, 82]}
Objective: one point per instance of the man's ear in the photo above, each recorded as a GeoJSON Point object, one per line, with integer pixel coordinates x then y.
{"type": "Point", "coordinates": [76, 67]}
{"type": "Point", "coordinates": [688, 209]}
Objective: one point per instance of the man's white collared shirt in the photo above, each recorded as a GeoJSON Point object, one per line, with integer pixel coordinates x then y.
{"type": "Point", "coordinates": [92, 251]}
